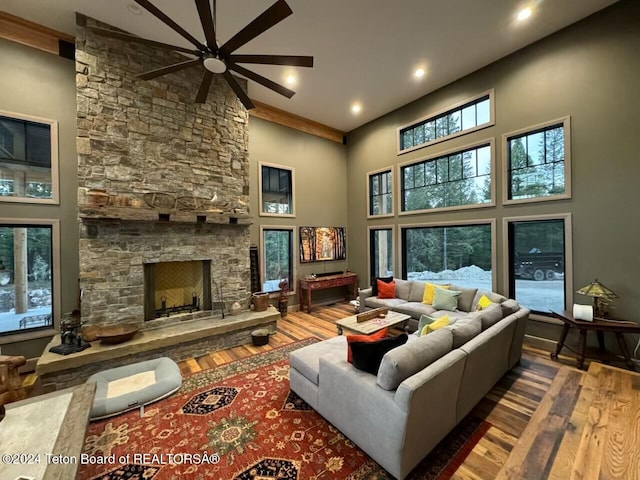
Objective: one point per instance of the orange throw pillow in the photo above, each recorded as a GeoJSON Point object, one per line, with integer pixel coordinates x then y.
{"type": "Point", "coordinates": [364, 338]}
{"type": "Point", "coordinates": [386, 290]}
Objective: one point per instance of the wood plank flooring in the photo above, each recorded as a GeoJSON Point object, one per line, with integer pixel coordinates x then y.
{"type": "Point", "coordinates": [508, 406]}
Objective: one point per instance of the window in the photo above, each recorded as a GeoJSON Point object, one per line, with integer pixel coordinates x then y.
{"type": "Point", "coordinates": [380, 193]}
{"type": "Point", "coordinates": [453, 253]}
{"type": "Point", "coordinates": [380, 252]}
{"type": "Point", "coordinates": [276, 191]}
{"type": "Point", "coordinates": [277, 257]}
{"type": "Point", "coordinates": [28, 159]}
{"type": "Point", "coordinates": [538, 261]}
{"type": "Point", "coordinates": [465, 117]}
{"type": "Point", "coordinates": [27, 276]}
{"type": "Point", "coordinates": [459, 179]}
{"type": "Point", "coordinates": [538, 162]}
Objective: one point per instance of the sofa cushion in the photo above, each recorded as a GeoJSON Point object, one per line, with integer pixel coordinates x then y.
{"type": "Point", "coordinates": [445, 299]}
{"type": "Point", "coordinates": [509, 306]}
{"type": "Point", "coordinates": [490, 316]}
{"type": "Point", "coordinates": [386, 290]}
{"type": "Point", "coordinates": [307, 360]}
{"type": "Point", "coordinates": [367, 356]}
{"type": "Point", "coordinates": [379, 335]}
{"type": "Point", "coordinates": [415, 309]}
{"type": "Point", "coordinates": [402, 288]}
{"type": "Point", "coordinates": [417, 291]}
{"type": "Point", "coordinates": [494, 297]}
{"type": "Point", "coordinates": [429, 290]}
{"type": "Point", "coordinates": [464, 330]}
{"type": "Point", "coordinates": [403, 362]}
{"type": "Point", "coordinates": [375, 302]}
{"type": "Point", "coordinates": [465, 300]}
{"type": "Point", "coordinates": [374, 286]}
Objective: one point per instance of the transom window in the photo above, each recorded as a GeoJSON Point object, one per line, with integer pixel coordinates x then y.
{"type": "Point", "coordinates": [380, 193]}
{"type": "Point", "coordinates": [538, 162]}
{"type": "Point", "coordinates": [28, 159]}
{"type": "Point", "coordinates": [276, 190]}
{"type": "Point", "coordinates": [460, 119]}
{"type": "Point", "coordinates": [459, 179]}
{"type": "Point", "coordinates": [277, 258]}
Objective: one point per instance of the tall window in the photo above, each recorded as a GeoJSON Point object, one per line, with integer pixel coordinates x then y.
{"type": "Point", "coordinates": [459, 179]}
{"type": "Point", "coordinates": [466, 117]}
{"type": "Point", "coordinates": [276, 191]}
{"type": "Point", "coordinates": [28, 159]}
{"type": "Point", "coordinates": [26, 277]}
{"type": "Point", "coordinates": [380, 252]}
{"type": "Point", "coordinates": [538, 162]}
{"type": "Point", "coordinates": [277, 257]}
{"type": "Point", "coordinates": [380, 193]}
{"type": "Point", "coordinates": [537, 262]}
{"type": "Point", "coordinates": [460, 254]}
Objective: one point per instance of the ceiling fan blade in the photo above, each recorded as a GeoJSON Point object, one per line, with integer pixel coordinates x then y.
{"type": "Point", "coordinates": [132, 38]}
{"type": "Point", "coordinates": [235, 86]}
{"type": "Point", "coordinates": [267, 19]}
{"type": "Point", "coordinates": [206, 19]}
{"type": "Point", "coordinates": [203, 91]}
{"type": "Point", "coordinates": [169, 69]}
{"type": "Point", "coordinates": [262, 80]}
{"type": "Point", "coordinates": [291, 60]}
{"type": "Point", "coordinates": [156, 12]}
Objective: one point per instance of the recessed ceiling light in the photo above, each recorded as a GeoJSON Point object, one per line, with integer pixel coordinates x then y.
{"type": "Point", "coordinates": [291, 80]}
{"type": "Point", "coordinates": [419, 73]}
{"type": "Point", "coordinates": [355, 108]}
{"type": "Point", "coordinates": [134, 9]}
{"type": "Point", "coordinates": [524, 14]}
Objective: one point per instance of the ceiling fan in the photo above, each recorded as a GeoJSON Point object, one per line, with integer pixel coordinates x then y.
{"type": "Point", "coordinates": [220, 59]}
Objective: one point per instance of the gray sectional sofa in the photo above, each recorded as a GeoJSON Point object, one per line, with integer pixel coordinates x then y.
{"type": "Point", "coordinates": [408, 300]}
{"type": "Point", "coordinates": [422, 390]}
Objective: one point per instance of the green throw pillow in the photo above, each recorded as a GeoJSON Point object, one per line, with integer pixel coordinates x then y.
{"type": "Point", "coordinates": [445, 299]}
{"type": "Point", "coordinates": [424, 321]}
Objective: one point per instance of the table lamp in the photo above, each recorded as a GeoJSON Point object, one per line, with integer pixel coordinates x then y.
{"type": "Point", "coordinates": [601, 296]}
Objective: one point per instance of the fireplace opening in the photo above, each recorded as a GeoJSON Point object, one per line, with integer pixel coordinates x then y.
{"type": "Point", "coordinates": [173, 288]}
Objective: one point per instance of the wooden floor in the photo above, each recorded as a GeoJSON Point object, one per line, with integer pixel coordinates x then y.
{"type": "Point", "coordinates": [508, 406]}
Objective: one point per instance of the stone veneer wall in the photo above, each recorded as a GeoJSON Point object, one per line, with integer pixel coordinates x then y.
{"type": "Point", "coordinates": [137, 136]}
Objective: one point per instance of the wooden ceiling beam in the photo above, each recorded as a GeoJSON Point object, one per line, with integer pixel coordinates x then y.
{"type": "Point", "coordinates": [31, 34]}
{"type": "Point", "coordinates": [275, 115]}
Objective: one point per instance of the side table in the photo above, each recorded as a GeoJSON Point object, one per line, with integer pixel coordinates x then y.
{"type": "Point", "coordinates": [598, 325]}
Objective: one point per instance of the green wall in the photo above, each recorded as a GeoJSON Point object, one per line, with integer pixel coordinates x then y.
{"type": "Point", "coordinates": [589, 71]}
{"type": "Point", "coordinates": [320, 171]}
{"type": "Point", "coordinates": [38, 83]}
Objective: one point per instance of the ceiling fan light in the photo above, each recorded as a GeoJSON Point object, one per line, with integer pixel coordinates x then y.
{"type": "Point", "coordinates": [214, 65]}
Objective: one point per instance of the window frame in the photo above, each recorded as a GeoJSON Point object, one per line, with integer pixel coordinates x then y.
{"type": "Point", "coordinates": [56, 309]}
{"type": "Point", "coordinates": [391, 171]}
{"type": "Point", "coordinates": [491, 142]}
{"type": "Point", "coordinates": [55, 173]}
{"type": "Point", "coordinates": [292, 281]}
{"type": "Point", "coordinates": [568, 257]}
{"type": "Point", "coordinates": [456, 223]}
{"type": "Point", "coordinates": [433, 115]}
{"type": "Point", "coordinates": [293, 188]}
{"type": "Point", "coordinates": [370, 230]}
{"type": "Point", "coordinates": [506, 184]}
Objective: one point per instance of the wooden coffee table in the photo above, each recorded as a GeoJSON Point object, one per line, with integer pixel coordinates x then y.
{"type": "Point", "coordinates": [374, 325]}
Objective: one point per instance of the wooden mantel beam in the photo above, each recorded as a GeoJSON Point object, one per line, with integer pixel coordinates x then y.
{"type": "Point", "coordinates": [31, 34]}
{"type": "Point", "coordinates": [275, 115]}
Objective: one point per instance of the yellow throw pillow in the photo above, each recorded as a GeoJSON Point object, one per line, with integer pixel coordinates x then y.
{"type": "Point", "coordinates": [429, 290]}
{"type": "Point", "coordinates": [483, 303]}
{"type": "Point", "coordinates": [439, 323]}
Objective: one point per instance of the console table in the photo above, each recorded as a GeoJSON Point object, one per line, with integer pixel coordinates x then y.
{"type": "Point", "coordinates": [600, 326]}
{"type": "Point", "coordinates": [307, 285]}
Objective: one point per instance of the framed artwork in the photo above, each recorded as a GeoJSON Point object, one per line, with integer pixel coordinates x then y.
{"type": "Point", "coordinates": [319, 244]}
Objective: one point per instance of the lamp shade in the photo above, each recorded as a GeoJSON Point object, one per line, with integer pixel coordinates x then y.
{"type": "Point", "coordinates": [596, 289]}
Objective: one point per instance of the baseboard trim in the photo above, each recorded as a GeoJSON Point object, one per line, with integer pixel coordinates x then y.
{"type": "Point", "coordinates": [540, 343]}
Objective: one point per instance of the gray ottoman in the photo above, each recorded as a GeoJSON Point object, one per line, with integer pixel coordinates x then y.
{"type": "Point", "coordinates": [133, 386]}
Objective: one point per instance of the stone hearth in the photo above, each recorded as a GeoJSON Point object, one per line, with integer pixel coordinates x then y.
{"type": "Point", "coordinates": [178, 341]}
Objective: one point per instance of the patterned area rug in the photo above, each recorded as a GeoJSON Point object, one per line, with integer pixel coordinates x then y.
{"type": "Point", "coordinates": [241, 421]}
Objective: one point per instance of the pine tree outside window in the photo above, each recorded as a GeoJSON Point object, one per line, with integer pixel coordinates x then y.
{"type": "Point", "coordinates": [277, 257]}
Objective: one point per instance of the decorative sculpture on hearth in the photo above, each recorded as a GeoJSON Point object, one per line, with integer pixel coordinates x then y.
{"type": "Point", "coordinates": [283, 299]}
